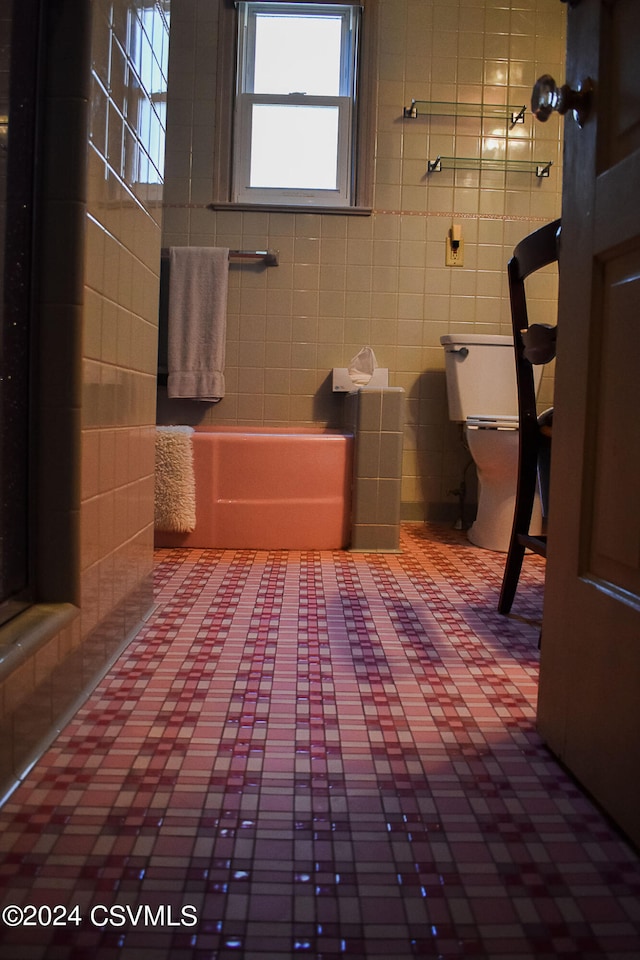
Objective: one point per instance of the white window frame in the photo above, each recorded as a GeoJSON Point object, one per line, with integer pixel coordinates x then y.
{"type": "Point", "coordinates": [246, 99]}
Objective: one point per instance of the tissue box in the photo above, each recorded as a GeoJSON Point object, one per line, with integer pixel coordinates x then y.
{"type": "Point", "coordinates": [342, 382]}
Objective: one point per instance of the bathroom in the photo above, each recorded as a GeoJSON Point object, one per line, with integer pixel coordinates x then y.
{"type": "Point", "coordinates": [345, 281]}
{"type": "Point", "coordinates": [342, 282]}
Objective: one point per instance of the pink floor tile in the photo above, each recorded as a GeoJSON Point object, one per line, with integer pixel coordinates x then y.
{"type": "Point", "coordinates": [317, 754]}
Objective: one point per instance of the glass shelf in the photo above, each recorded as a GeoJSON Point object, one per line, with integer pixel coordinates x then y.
{"type": "Point", "coordinates": [431, 108]}
{"type": "Point", "coordinates": [478, 163]}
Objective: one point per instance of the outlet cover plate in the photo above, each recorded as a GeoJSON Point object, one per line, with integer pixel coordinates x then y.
{"type": "Point", "coordinates": [453, 257]}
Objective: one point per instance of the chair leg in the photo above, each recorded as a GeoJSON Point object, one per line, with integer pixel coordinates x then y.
{"type": "Point", "coordinates": [511, 576]}
{"type": "Point", "coordinates": [525, 495]}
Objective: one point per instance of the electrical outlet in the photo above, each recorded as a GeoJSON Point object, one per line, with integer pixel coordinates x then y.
{"type": "Point", "coordinates": [454, 256]}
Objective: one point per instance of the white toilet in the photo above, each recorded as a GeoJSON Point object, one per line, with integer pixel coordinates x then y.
{"type": "Point", "coordinates": [481, 392]}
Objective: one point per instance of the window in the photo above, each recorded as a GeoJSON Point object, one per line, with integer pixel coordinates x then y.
{"type": "Point", "coordinates": [128, 132]}
{"type": "Point", "coordinates": [293, 106]}
{"type": "Point", "coordinates": [296, 90]}
{"type": "Point", "coordinates": [146, 75]}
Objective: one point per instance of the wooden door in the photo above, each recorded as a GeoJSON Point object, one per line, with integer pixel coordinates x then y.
{"type": "Point", "coordinates": [589, 700]}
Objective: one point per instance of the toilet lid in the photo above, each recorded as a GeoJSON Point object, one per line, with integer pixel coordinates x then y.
{"type": "Point", "coordinates": [493, 423]}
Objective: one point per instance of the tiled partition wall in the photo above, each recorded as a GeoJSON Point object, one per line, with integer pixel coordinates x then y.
{"type": "Point", "coordinates": [122, 263]}
{"type": "Point", "coordinates": [346, 281]}
{"type": "Point", "coordinates": [376, 417]}
{"type": "Point", "coordinates": [97, 346]}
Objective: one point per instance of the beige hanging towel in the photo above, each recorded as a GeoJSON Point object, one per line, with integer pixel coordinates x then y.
{"type": "Point", "coordinates": [198, 285]}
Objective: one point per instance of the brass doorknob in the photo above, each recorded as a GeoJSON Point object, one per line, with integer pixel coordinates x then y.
{"type": "Point", "coordinates": [547, 96]}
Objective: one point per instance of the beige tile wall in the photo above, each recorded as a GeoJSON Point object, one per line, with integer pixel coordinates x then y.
{"type": "Point", "coordinates": [348, 281]}
{"type": "Point", "coordinates": [122, 262]}
{"type": "Point", "coordinates": [96, 385]}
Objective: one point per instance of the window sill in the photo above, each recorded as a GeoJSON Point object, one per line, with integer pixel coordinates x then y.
{"type": "Point", "coordinates": [290, 208]}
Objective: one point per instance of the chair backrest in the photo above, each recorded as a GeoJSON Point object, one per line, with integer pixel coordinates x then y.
{"type": "Point", "coordinates": [537, 250]}
{"type": "Point", "coordinates": [534, 252]}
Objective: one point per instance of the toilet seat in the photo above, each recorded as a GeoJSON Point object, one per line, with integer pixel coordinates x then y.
{"type": "Point", "coordinates": [493, 423]}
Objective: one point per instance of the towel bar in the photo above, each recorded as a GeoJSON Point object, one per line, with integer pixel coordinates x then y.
{"type": "Point", "coordinates": [268, 257]}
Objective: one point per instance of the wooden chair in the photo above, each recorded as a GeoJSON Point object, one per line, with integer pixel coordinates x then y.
{"type": "Point", "coordinates": [534, 252]}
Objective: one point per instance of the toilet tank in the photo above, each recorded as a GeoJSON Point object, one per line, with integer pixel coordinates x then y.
{"type": "Point", "coordinates": [481, 375]}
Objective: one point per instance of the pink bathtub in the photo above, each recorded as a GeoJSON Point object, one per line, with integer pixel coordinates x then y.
{"type": "Point", "coordinates": [269, 488]}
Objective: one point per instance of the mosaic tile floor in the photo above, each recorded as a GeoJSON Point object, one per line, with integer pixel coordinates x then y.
{"type": "Point", "coordinates": [317, 755]}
